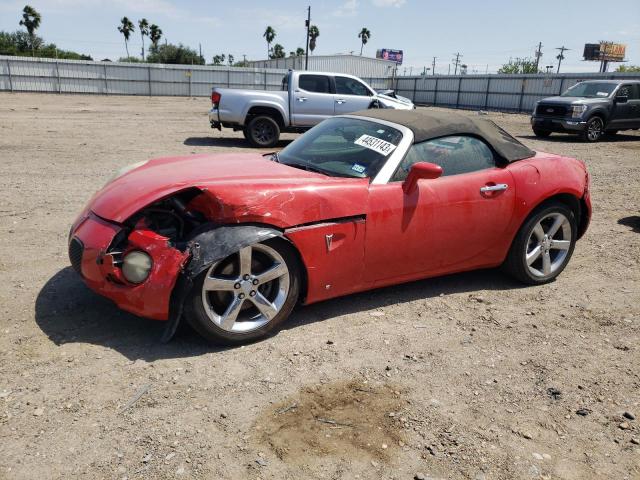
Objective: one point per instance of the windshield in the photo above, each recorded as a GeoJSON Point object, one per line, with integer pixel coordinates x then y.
{"type": "Point", "coordinates": [590, 90]}
{"type": "Point", "coordinates": [343, 147]}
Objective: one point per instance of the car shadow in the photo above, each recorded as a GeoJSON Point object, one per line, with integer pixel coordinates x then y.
{"type": "Point", "coordinates": [633, 221]}
{"type": "Point", "coordinates": [228, 142]}
{"type": "Point", "coordinates": [568, 138]}
{"type": "Point", "coordinates": [67, 311]}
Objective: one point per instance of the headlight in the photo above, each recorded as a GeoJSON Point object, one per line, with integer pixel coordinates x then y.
{"type": "Point", "coordinates": [578, 110]}
{"type": "Point", "coordinates": [136, 266]}
{"type": "Point", "coordinates": [126, 169]}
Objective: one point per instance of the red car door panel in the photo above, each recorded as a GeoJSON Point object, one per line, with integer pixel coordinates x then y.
{"type": "Point", "coordinates": [445, 225]}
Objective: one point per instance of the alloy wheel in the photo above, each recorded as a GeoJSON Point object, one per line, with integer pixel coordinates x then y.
{"type": "Point", "coordinates": [548, 245]}
{"type": "Point", "coordinates": [594, 129]}
{"type": "Point", "coordinates": [263, 132]}
{"type": "Point", "coordinates": [247, 290]}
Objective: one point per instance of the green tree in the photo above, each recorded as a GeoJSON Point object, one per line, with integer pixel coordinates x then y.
{"type": "Point", "coordinates": [125, 28]}
{"type": "Point", "coordinates": [364, 37]}
{"type": "Point", "coordinates": [519, 65]}
{"type": "Point", "coordinates": [230, 59]}
{"type": "Point", "coordinates": [269, 35]}
{"type": "Point", "coordinates": [219, 59]}
{"type": "Point", "coordinates": [628, 68]}
{"type": "Point", "coordinates": [155, 34]}
{"type": "Point", "coordinates": [144, 31]}
{"type": "Point", "coordinates": [278, 51]}
{"type": "Point", "coordinates": [174, 54]}
{"type": "Point", "coordinates": [31, 21]}
{"type": "Point", "coordinates": [314, 33]}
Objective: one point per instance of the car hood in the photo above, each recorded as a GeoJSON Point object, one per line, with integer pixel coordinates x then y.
{"type": "Point", "coordinates": [572, 100]}
{"type": "Point", "coordinates": [237, 188]}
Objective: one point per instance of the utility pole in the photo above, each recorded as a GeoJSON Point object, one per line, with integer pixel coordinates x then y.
{"type": "Point", "coordinates": [200, 49]}
{"type": "Point", "coordinates": [433, 66]}
{"type": "Point", "coordinates": [560, 56]}
{"type": "Point", "coordinates": [308, 25]}
{"type": "Point", "coordinates": [456, 62]}
{"type": "Point", "coordinates": [538, 55]}
{"type": "Point", "coordinates": [244, 59]}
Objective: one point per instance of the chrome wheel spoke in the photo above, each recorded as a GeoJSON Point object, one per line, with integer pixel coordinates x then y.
{"type": "Point", "coordinates": [230, 315]}
{"type": "Point", "coordinates": [557, 223]}
{"type": "Point", "coordinates": [219, 284]}
{"type": "Point", "coordinates": [534, 255]}
{"type": "Point", "coordinates": [546, 263]}
{"type": "Point", "coordinates": [272, 273]}
{"type": "Point", "coordinates": [267, 308]}
{"type": "Point", "coordinates": [538, 231]}
{"type": "Point", "coordinates": [560, 244]}
{"type": "Point", "coordinates": [245, 261]}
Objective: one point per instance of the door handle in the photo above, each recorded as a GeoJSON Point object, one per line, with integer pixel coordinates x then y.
{"type": "Point", "coordinates": [302, 99]}
{"type": "Point", "coordinates": [340, 101]}
{"type": "Point", "coordinates": [494, 188]}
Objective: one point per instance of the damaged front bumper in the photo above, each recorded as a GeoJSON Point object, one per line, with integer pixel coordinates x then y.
{"type": "Point", "coordinates": [94, 256]}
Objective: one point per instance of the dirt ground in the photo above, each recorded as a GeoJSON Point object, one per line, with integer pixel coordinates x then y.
{"type": "Point", "coordinates": [469, 376]}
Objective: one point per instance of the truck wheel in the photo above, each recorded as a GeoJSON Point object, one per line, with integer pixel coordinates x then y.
{"type": "Point", "coordinates": [539, 132]}
{"type": "Point", "coordinates": [593, 130]}
{"type": "Point", "coordinates": [263, 131]}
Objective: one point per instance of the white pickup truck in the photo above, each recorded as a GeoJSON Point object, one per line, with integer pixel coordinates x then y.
{"type": "Point", "coordinates": [305, 100]}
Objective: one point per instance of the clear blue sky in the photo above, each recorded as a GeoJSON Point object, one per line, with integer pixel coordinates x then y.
{"type": "Point", "coordinates": [484, 32]}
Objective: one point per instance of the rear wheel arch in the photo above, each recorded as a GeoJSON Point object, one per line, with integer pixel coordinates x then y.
{"type": "Point", "coordinates": [265, 111]}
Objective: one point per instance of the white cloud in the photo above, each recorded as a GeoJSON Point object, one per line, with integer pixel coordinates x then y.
{"type": "Point", "coordinates": [347, 9]}
{"type": "Point", "coordinates": [388, 3]}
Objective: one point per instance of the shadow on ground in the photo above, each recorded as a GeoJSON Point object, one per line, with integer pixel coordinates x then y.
{"type": "Point", "coordinates": [68, 312]}
{"type": "Point", "coordinates": [227, 142]}
{"type": "Point", "coordinates": [566, 138]}
{"type": "Point", "coordinates": [633, 221]}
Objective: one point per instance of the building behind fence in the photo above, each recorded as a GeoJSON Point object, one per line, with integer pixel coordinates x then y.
{"type": "Point", "coordinates": [510, 93]}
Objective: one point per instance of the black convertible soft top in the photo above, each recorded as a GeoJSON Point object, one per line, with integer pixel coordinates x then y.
{"type": "Point", "coordinates": [428, 124]}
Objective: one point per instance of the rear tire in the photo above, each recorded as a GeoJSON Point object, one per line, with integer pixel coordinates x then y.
{"type": "Point", "coordinates": [541, 133]}
{"type": "Point", "coordinates": [544, 245]}
{"type": "Point", "coordinates": [239, 303]}
{"type": "Point", "coordinates": [262, 131]}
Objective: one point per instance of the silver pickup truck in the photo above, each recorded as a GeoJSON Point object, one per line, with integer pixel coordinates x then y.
{"type": "Point", "coordinates": [305, 100]}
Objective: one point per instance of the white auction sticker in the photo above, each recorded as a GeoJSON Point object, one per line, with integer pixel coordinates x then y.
{"type": "Point", "coordinates": [376, 144]}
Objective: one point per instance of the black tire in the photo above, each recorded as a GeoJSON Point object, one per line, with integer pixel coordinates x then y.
{"type": "Point", "coordinates": [516, 262]}
{"type": "Point", "coordinates": [611, 133]}
{"type": "Point", "coordinates": [199, 320]}
{"type": "Point", "coordinates": [262, 131]}
{"type": "Point", "coordinates": [539, 132]}
{"type": "Point", "coordinates": [245, 134]}
{"type": "Point", "coordinates": [594, 129]}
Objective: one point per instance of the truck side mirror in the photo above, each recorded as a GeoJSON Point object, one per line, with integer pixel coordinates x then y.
{"type": "Point", "coordinates": [420, 171]}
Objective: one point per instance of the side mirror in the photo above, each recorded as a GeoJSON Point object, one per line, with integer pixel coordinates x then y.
{"type": "Point", "coordinates": [420, 171]}
{"type": "Point", "coordinates": [622, 99]}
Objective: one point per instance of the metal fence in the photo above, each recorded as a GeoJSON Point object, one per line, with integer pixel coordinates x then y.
{"type": "Point", "coordinates": [510, 93]}
{"type": "Point", "coordinates": [507, 93]}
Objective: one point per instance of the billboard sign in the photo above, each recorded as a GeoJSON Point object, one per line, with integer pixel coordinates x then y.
{"type": "Point", "coordinates": [392, 55]}
{"type": "Point", "coordinates": [608, 51]}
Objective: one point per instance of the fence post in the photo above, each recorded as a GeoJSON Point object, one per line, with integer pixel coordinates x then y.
{"type": "Point", "coordinates": [415, 86]}
{"type": "Point", "coordinates": [58, 77]}
{"type": "Point", "coordinates": [524, 83]}
{"type": "Point", "coordinates": [265, 79]}
{"type": "Point", "coordinates": [486, 95]}
{"type": "Point", "coordinates": [458, 92]}
{"type": "Point", "coordinates": [10, 78]}
{"type": "Point", "coordinates": [190, 75]}
{"type": "Point", "coordinates": [435, 93]}
{"type": "Point", "coordinates": [106, 82]}
{"type": "Point", "coordinates": [228, 78]}
{"type": "Point", "coordinates": [561, 86]}
{"type": "Point", "coordinates": [149, 78]}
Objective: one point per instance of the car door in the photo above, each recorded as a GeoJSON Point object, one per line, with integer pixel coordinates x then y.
{"type": "Point", "coordinates": [312, 100]}
{"type": "Point", "coordinates": [351, 95]}
{"type": "Point", "coordinates": [627, 113]}
{"type": "Point", "coordinates": [453, 223]}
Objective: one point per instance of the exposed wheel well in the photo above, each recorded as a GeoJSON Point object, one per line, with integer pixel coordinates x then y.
{"type": "Point", "coordinates": [601, 115]}
{"type": "Point", "coordinates": [268, 111]}
{"type": "Point", "coordinates": [577, 205]}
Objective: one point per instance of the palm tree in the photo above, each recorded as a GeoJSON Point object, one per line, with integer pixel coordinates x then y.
{"type": "Point", "coordinates": [155, 33]}
{"type": "Point", "coordinates": [314, 33]}
{"type": "Point", "coordinates": [269, 35]}
{"type": "Point", "coordinates": [364, 37]}
{"type": "Point", "coordinates": [31, 21]}
{"type": "Point", "coordinates": [230, 59]}
{"type": "Point", "coordinates": [125, 28]}
{"type": "Point", "coordinates": [144, 31]}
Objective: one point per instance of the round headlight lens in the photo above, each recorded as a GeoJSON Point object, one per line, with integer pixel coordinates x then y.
{"type": "Point", "coordinates": [136, 266]}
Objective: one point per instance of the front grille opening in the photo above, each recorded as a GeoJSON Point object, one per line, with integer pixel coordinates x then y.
{"type": "Point", "coordinates": [551, 110]}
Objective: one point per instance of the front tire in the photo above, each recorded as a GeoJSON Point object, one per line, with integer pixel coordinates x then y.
{"type": "Point", "coordinates": [594, 129]}
{"type": "Point", "coordinates": [541, 133]}
{"type": "Point", "coordinates": [544, 245]}
{"type": "Point", "coordinates": [247, 295]}
{"type": "Point", "coordinates": [262, 131]}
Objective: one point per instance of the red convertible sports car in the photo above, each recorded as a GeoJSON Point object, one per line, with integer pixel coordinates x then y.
{"type": "Point", "coordinates": [232, 242]}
